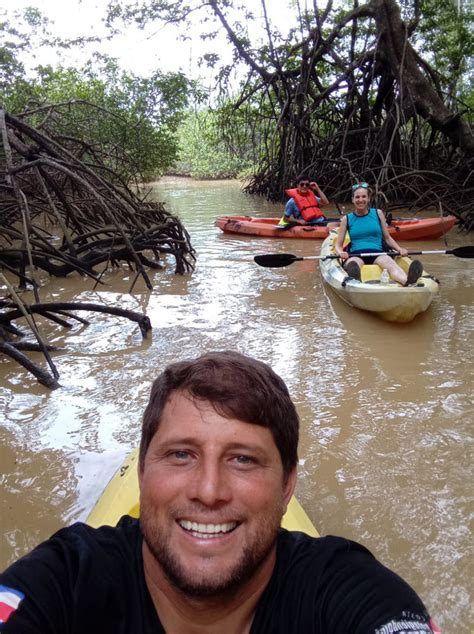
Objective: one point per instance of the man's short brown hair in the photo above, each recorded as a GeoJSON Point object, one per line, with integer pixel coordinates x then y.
{"type": "Point", "coordinates": [237, 386]}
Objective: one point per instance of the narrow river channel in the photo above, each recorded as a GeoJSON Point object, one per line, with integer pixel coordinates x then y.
{"type": "Point", "coordinates": [386, 410]}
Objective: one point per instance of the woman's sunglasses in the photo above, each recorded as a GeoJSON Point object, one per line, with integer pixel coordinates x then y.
{"type": "Point", "coordinates": [358, 185]}
{"type": "Point", "coordinates": [304, 184]}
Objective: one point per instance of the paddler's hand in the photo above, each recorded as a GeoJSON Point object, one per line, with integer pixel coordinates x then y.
{"type": "Point", "coordinates": [403, 251]}
{"type": "Point", "coordinates": [343, 255]}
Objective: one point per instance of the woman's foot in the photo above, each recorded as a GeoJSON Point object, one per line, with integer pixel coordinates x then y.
{"type": "Point", "coordinates": [414, 272]}
{"type": "Point", "coordinates": [353, 270]}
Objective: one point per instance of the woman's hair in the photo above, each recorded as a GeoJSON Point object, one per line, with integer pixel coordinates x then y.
{"type": "Point", "coordinates": [361, 185]}
{"type": "Point", "coordinates": [237, 386]}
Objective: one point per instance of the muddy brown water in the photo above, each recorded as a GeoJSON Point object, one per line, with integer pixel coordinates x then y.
{"type": "Point", "coordinates": [386, 410]}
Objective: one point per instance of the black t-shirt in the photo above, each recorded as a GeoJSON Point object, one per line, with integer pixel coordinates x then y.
{"type": "Point", "coordinates": [91, 581]}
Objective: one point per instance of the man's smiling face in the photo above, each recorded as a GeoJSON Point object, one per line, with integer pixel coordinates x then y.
{"type": "Point", "coordinates": [212, 495]}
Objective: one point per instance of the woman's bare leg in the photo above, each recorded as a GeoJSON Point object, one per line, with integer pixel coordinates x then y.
{"type": "Point", "coordinates": [396, 272]}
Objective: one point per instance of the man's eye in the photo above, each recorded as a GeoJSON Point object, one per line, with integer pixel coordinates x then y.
{"type": "Point", "coordinates": [244, 460]}
{"type": "Point", "coordinates": [180, 455]}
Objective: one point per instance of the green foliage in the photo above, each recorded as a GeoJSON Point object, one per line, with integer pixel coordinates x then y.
{"type": "Point", "coordinates": [132, 119]}
{"type": "Point", "coordinates": [128, 122]}
{"type": "Point", "coordinates": [15, 39]}
{"type": "Point", "coordinates": [447, 28]}
{"type": "Point", "coordinates": [203, 150]}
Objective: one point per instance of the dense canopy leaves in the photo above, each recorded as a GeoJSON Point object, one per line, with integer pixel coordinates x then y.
{"type": "Point", "coordinates": [131, 121]}
{"type": "Point", "coordinates": [128, 119]}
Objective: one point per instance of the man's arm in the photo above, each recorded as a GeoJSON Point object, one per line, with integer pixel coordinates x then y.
{"type": "Point", "coordinates": [364, 597]}
{"type": "Point", "coordinates": [33, 596]}
{"type": "Point", "coordinates": [81, 580]}
{"type": "Point", "coordinates": [323, 200]}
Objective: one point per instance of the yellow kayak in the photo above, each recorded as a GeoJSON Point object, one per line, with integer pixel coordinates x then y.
{"type": "Point", "coordinates": [389, 300]}
{"type": "Point", "coordinates": [120, 497]}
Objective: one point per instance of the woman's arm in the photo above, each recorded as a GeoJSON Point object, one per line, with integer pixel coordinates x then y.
{"type": "Point", "coordinates": [341, 234]}
{"type": "Point", "coordinates": [387, 237]}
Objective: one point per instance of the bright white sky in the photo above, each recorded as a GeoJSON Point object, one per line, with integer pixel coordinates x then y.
{"type": "Point", "coordinates": [138, 51]}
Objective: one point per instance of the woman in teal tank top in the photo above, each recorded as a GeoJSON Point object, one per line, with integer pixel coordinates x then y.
{"type": "Point", "coordinates": [369, 234]}
{"type": "Point", "coordinates": [365, 232]}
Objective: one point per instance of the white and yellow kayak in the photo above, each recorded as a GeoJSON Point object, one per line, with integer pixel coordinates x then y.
{"type": "Point", "coordinates": [120, 497]}
{"type": "Point", "coordinates": [388, 300]}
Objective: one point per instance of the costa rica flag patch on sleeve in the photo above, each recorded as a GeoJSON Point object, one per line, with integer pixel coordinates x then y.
{"type": "Point", "coordinates": [10, 599]}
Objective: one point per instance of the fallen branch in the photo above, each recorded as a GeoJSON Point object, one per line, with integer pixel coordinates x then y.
{"type": "Point", "coordinates": [12, 311]}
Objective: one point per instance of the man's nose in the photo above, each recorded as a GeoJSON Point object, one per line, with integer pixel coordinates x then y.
{"type": "Point", "coordinates": [211, 484]}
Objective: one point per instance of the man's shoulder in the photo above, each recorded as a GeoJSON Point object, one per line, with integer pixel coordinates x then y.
{"type": "Point", "coordinates": [332, 562]}
{"type": "Point", "coordinates": [303, 547]}
{"type": "Point", "coordinates": [126, 528]}
{"type": "Point", "coordinates": [124, 537]}
{"type": "Point", "coordinates": [80, 543]}
{"type": "Point", "coordinates": [339, 584]}
{"type": "Point", "coordinates": [333, 542]}
{"type": "Point", "coordinates": [76, 568]}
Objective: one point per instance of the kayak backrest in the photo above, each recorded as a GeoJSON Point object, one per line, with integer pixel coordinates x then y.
{"type": "Point", "coordinates": [370, 272]}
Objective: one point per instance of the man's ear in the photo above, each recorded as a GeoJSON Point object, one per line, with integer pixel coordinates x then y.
{"type": "Point", "coordinates": [140, 475]}
{"type": "Point", "coordinates": [289, 486]}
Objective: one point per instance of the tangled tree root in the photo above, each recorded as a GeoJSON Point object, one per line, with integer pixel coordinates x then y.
{"type": "Point", "coordinates": [64, 211]}
{"type": "Point", "coordinates": [100, 221]}
{"type": "Point", "coordinates": [13, 344]}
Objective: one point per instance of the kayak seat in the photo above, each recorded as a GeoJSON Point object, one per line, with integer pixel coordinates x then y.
{"type": "Point", "coordinates": [370, 272]}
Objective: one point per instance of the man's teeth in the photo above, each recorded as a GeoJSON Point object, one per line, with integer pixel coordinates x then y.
{"type": "Point", "coordinates": [209, 530]}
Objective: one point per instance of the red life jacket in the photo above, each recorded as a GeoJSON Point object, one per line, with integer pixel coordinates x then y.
{"type": "Point", "coordinates": [307, 204]}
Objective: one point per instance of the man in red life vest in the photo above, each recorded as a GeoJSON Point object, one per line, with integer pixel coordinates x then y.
{"type": "Point", "coordinates": [304, 205]}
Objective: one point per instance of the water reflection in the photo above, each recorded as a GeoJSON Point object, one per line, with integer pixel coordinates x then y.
{"type": "Point", "coordinates": [385, 408]}
{"type": "Point", "coordinates": [44, 481]}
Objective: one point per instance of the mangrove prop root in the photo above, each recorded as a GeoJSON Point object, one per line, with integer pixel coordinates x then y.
{"type": "Point", "coordinates": [47, 179]}
{"type": "Point", "coordinates": [14, 349]}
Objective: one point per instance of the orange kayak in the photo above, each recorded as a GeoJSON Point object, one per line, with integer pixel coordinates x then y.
{"type": "Point", "coordinates": [400, 229]}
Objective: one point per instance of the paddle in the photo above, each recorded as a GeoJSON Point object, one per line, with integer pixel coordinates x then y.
{"type": "Point", "coordinates": [284, 259]}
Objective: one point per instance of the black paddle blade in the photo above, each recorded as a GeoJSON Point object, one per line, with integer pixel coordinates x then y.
{"type": "Point", "coordinates": [276, 259]}
{"type": "Point", "coordinates": [462, 252]}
